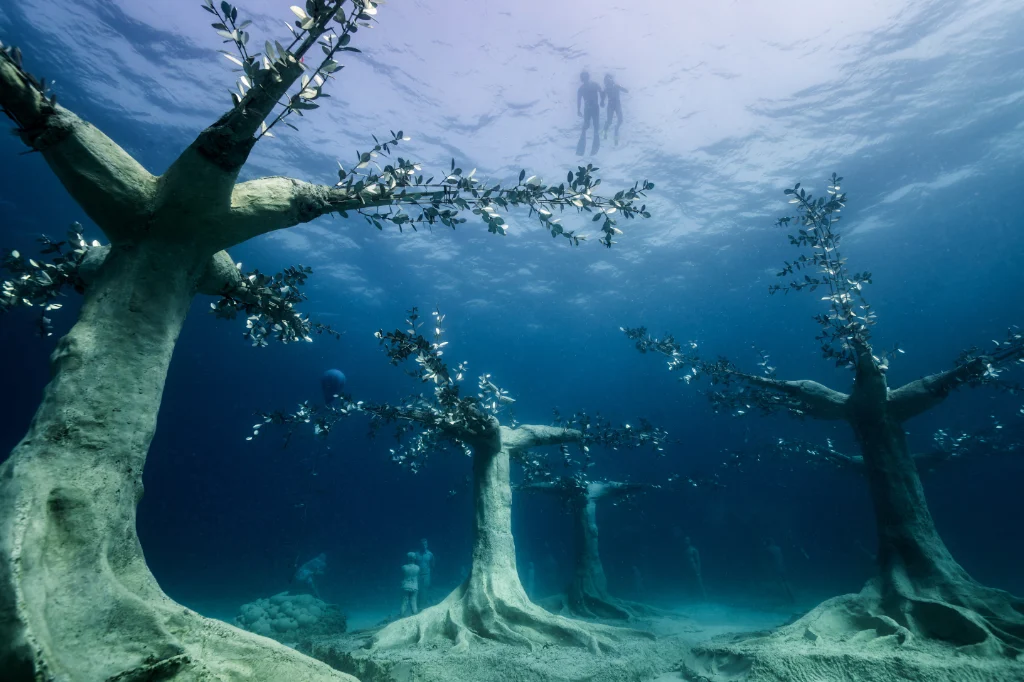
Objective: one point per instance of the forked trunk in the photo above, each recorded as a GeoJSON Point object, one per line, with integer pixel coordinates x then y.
{"type": "Point", "coordinates": [77, 601]}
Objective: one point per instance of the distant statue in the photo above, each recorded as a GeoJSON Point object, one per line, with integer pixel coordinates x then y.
{"type": "Point", "coordinates": [611, 95]}
{"type": "Point", "coordinates": [531, 580]}
{"type": "Point", "coordinates": [310, 570]}
{"type": "Point", "coordinates": [693, 558]}
{"type": "Point", "coordinates": [638, 582]}
{"type": "Point", "coordinates": [425, 559]}
{"type": "Point", "coordinates": [779, 567]}
{"type": "Point", "coordinates": [589, 97]}
{"type": "Point", "coordinates": [410, 584]}
{"type": "Point", "coordinates": [333, 384]}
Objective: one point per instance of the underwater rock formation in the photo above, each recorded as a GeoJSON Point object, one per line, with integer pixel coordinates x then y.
{"type": "Point", "coordinates": [291, 617]}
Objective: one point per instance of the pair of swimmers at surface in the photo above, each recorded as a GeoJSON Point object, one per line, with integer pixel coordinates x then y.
{"type": "Point", "coordinates": [589, 99]}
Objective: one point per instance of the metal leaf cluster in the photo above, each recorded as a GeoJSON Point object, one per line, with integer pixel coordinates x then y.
{"type": "Point", "coordinates": [680, 356]}
{"type": "Point", "coordinates": [849, 318]}
{"type": "Point", "coordinates": [12, 55]}
{"type": "Point", "coordinates": [328, 24]}
{"type": "Point", "coordinates": [424, 423]}
{"type": "Point", "coordinates": [570, 469]}
{"type": "Point", "coordinates": [269, 301]}
{"type": "Point", "coordinates": [456, 418]}
{"type": "Point", "coordinates": [383, 194]}
{"type": "Point", "coordinates": [988, 367]}
{"type": "Point", "coordinates": [40, 283]}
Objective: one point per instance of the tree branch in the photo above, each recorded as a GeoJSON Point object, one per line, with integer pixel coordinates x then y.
{"type": "Point", "coordinates": [921, 395]}
{"type": "Point", "coordinates": [598, 490]}
{"type": "Point", "coordinates": [528, 436]}
{"type": "Point", "coordinates": [817, 400]}
{"type": "Point", "coordinates": [276, 203]}
{"type": "Point", "coordinates": [110, 186]}
{"type": "Point", "coordinates": [214, 159]}
{"type": "Point", "coordinates": [546, 487]}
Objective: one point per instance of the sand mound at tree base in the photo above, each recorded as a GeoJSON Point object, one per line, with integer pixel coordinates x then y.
{"type": "Point", "coordinates": [842, 640]}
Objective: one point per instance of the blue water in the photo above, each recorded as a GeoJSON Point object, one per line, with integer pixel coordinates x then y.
{"type": "Point", "coordinates": [917, 104]}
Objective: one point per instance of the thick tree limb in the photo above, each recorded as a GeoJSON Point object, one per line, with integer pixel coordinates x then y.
{"type": "Point", "coordinates": [112, 187]}
{"type": "Point", "coordinates": [818, 401]}
{"type": "Point", "coordinates": [599, 490]}
{"type": "Point", "coordinates": [217, 155]}
{"type": "Point", "coordinates": [275, 203]}
{"type": "Point", "coordinates": [596, 490]}
{"type": "Point", "coordinates": [921, 395]}
{"type": "Point", "coordinates": [534, 436]}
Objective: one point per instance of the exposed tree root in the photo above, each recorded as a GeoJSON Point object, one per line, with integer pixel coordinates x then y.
{"type": "Point", "coordinates": [606, 607]}
{"type": "Point", "coordinates": [972, 634]}
{"type": "Point", "coordinates": [498, 610]}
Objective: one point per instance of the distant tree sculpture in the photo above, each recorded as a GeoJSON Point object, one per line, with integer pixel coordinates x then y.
{"type": "Point", "coordinates": [587, 594]}
{"type": "Point", "coordinates": [491, 604]}
{"type": "Point", "coordinates": [77, 600]}
{"type": "Point", "coordinates": [921, 590]}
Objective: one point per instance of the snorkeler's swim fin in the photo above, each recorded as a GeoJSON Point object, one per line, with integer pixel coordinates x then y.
{"type": "Point", "coordinates": [581, 146]}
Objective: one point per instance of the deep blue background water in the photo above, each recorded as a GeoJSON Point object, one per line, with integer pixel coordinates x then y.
{"type": "Point", "coordinates": [223, 520]}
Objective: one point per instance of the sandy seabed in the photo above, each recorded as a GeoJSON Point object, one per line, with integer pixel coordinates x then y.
{"type": "Point", "coordinates": [705, 643]}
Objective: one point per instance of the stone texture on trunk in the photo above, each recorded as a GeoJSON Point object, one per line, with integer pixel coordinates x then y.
{"type": "Point", "coordinates": [492, 604]}
{"type": "Point", "coordinates": [77, 601]}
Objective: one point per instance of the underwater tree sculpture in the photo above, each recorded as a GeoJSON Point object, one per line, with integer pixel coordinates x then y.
{"type": "Point", "coordinates": [588, 594]}
{"type": "Point", "coordinates": [921, 591]}
{"type": "Point", "coordinates": [77, 600]}
{"type": "Point", "coordinates": [491, 604]}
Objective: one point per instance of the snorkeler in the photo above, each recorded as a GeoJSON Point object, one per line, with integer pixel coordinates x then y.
{"type": "Point", "coordinates": [589, 95]}
{"type": "Point", "coordinates": [410, 584]}
{"type": "Point", "coordinates": [611, 92]}
{"type": "Point", "coordinates": [693, 557]}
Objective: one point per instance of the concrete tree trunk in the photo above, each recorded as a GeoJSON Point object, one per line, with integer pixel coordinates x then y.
{"type": "Point", "coordinates": [491, 604]}
{"type": "Point", "coordinates": [77, 600]}
{"type": "Point", "coordinates": [920, 586]}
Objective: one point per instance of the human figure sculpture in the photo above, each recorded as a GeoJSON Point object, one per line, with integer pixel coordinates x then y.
{"type": "Point", "coordinates": [779, 567]}
{"type": "Point", "coordinates": [693, 558]}
{"type": "Point", "coordinates": [410, 584]}
{"type": "Point", "coordinates": [425, 559]}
